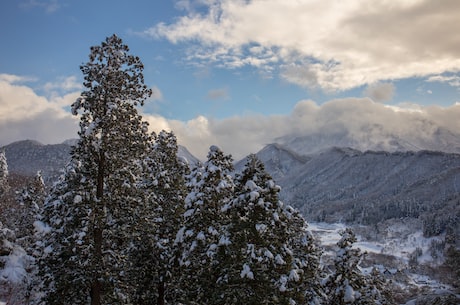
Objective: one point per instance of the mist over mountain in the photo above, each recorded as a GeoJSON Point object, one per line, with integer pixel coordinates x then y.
{"type": "Point", "coordinates": [372, 137]}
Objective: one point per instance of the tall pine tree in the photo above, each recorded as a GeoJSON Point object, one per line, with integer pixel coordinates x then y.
{"type": "Point", "coordinates": [272, 258]}
{"type": "Point", "coordinates": [98, 198]}
{"type": "Point", "coordinates": [154, 253]}
{"type": "Point", "coordinates": [203, 237]}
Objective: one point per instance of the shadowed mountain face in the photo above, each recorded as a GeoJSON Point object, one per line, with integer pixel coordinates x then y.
{"type": "Point", "coordinates": [343, 184]}
{"type": "Point", "coordinates": [28, 157]}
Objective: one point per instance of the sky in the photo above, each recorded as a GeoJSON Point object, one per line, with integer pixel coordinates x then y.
{"type": "Point", "coordinates": [236, 73]}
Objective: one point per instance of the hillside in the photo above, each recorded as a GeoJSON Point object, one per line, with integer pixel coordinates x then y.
{"type": "Point", "coordinates": [346, 185]}
{"type": "Point", "coordinates": [28, 157]}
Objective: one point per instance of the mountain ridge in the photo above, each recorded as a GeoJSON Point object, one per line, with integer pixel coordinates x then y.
{"type": "Point", "coordinates": [27, 157]}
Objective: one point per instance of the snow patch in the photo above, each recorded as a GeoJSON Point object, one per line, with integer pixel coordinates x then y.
{"type": "Point", "coordinates": [15, 266]}
{"type": "Point", "coordinates": [41, 227]}
{"type": "Point", "coordinates": [246, 272]}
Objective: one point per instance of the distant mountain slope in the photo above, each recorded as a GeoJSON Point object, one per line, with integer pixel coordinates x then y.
{"type": "Point", "coordinates": [28, 157]}
{"type": "Point", "coordinates": [279, 161]}
{"type": "Point", "coordinates": [342, 184]}
{"type": "Point", "coordinates": [186, 154]}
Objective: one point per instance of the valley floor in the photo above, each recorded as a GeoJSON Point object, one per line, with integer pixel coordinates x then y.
{"type": "Point", "coordinates": [400, 253]}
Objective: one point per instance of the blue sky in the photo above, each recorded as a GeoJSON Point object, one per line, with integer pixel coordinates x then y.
{"type": "Point", "coordinates": [218, 64]}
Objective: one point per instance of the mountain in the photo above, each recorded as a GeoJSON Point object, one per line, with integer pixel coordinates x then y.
{"type": "Point", "coordinates": [28, 157]}
{"type": "Point", "coordinates": [279, 160]}
{"type": "Point", "coordinates": [401, 204]}
{"type": "Point", "coordinates": [184, 153]}
{"type": "Point", "coordinates": [347, 185]}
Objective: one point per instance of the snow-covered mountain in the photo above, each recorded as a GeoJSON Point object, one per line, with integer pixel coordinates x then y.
{"type": "Point", "coordinates": [184, 153]}
{"type": "Point", "coordinates": [336, 184]}
{"type": "Point", "coordinates": [28, 157]}
{"type": "Point", "coordinates": [343, 184]}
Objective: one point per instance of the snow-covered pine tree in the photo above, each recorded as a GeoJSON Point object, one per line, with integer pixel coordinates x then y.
{"type": "Point", "coordinates": [3, 173]}
{"type": "Point", "coordinates": [65, 261]}
{"type": "Point", "coordinates": [347, 284]}
{"type": "Point", "coordinates": [272, 258]}
{"type": "Point", "coordinates": [31, 200]}
{"type": "Point", "coordinates": [153, 255]}
{"type": "Point", "coordinates": [16, 268]}
{"type": "Point", "coordinates": [102, 198]}
{"type": "Point", "coordinates": [203, 237]}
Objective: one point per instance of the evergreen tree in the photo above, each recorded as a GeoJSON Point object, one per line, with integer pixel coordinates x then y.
{"type": "Point", "coordinates": [31, 200]}
{"type": "Point", "coordinates": [154, 253]}
{"type": "Point", "coordinates": [16, 268]}
{"type": "Point", "coordinates": [203, 237]}
{"type": "Point", "coordinates": [347, 284]}
{"type": "Point", "coordinates": [3, 173]}
{"type": "Point", "coordinates": [92, 212]}
{"type": "Point", "coordinates": [272, 258]}
{"type": "Point", "coordinates": [19, 211]}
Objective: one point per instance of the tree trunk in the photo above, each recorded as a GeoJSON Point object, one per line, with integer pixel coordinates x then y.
{"type": "Point", "coordinates": [161, 293]}
{"type": "Point", "coordinates": [96, 286]}
{"type": "Point", "coordinates": [95, 292]}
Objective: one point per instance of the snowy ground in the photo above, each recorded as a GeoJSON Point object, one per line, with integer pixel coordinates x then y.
{"type": "Point", "coordinates": [398, 245]}
{"type": "Point", "coordinates": [397, 242]}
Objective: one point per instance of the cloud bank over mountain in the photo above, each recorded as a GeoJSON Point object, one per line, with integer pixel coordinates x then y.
{"type": "Point", "coordinates": [47, 120]}
{"type": "Point", "coordinates": [359, 119]}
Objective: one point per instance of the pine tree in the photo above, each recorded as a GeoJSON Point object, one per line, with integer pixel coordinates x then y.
{"type": "Point", "coordinates": [31, 199]}
{"type": "Point", "coordinates": [203, 237]}
{"type": "Point", "coordinates": [19, 211]}
{"type": "Point", "coordinates": [92, 212]}
{"type": "Point", "coordinates": [272, 258]}
{"type": "Point", "coordinates": [3, 173]}
{"type": "Point", "coordinates": [16, 266]}
{"type": "Point", "coordinates": [154, 254]}
{"type": "Point", "coordinates": [347, 284]}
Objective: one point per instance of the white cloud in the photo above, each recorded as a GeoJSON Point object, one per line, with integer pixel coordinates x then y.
{"type": "Point", "coordinates": [453, 80]}
{"type": "Point", "coordinates": [63, 84]}
{"type": "Point", "coordinates": [335, 45]}
{"type": "Point", "coordinates": [13, 79]}
{"type": "Point", "coordinates": [380, 92]}
{"type": "Point", "coordinates": [26, 115]}
{"type": "Point", "coordinates": [157, 95]}
{"type": "Point", "coordinates": [360, 118]}
{"type": "Point", "coordinates": [50, 6]}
